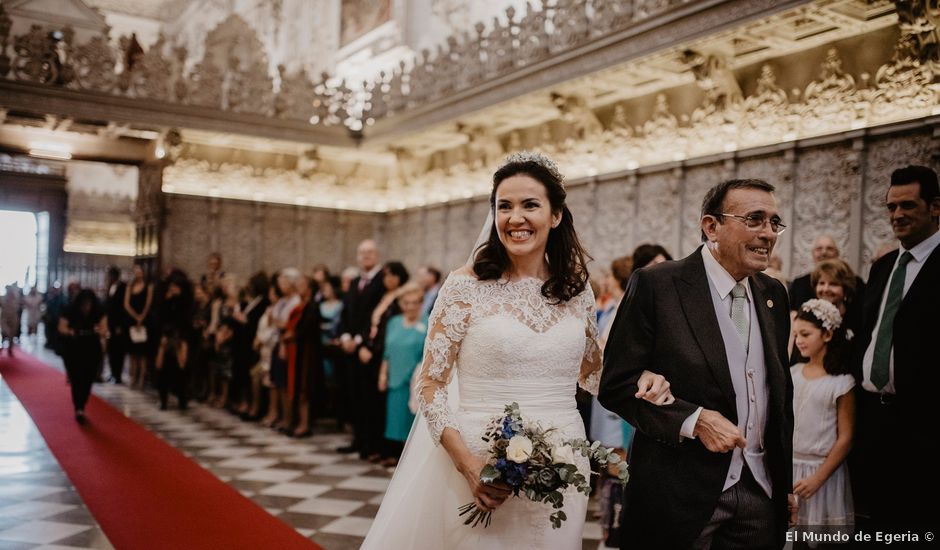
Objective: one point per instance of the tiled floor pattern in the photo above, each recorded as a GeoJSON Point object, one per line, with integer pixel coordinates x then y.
{"type": "Point", "coordinates": [328, 497]}
{"type": "Point", "coordinates": [39, 508]}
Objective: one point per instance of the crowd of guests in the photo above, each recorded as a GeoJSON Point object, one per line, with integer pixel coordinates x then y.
{"type": "Point", "coordinates": [14, 304]}
{"type": "Point", "coordinates": [283, 349]}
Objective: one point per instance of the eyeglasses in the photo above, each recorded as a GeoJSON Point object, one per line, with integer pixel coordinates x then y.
{"type": "Point", "coordinates": [755, 222]}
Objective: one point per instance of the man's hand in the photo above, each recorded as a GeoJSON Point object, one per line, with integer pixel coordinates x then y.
{"type": "Point", "coordinates": [349, 346]}
{"type": "Point", "coordinates": [717, 433]}
{"type": "Point", "coordinates": [793, 505]}
{"type": "Point", "coordinates": [365, 355]}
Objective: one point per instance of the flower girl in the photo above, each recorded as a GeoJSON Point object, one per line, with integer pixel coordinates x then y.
{"type": "Point", "coordinates": [824, 414]}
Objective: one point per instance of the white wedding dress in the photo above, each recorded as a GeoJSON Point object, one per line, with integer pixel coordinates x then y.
{"type": "Point", "coordinates": [505, 342]}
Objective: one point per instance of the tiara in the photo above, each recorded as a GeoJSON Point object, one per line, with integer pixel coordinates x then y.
{"type": "Point", "coordinates": [827, 313]}
{"type": "Point", "coordinates": [537, 158]}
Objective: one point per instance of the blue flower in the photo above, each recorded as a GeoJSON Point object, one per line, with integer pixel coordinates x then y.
{"type": "Point", "coordinates": [507, 429]}
{"type": "Point", "coordinates": [516, 474]}
{"type": "Point", "coordinates": [501, 465]}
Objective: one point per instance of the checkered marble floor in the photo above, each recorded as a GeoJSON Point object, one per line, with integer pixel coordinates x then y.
{"type": "Point", "coordinates": [39, 508]}
{"type": "Point", "coordinates": [328, 497]}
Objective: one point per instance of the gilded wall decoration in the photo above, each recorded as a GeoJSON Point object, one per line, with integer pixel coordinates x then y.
{"type": "Point", "coordinates": [93, 61]}
{"type": "Point", "coordinates": [920, 19]}
{"type": "Point", "coordinates": [830, 101]}
{"type": "Point", "coordinates": [761, 120]}
{"type": "Point", "coordinates": [902, 86]}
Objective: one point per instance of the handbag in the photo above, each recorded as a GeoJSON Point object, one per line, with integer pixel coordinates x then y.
{"type": "Point", "coordinates": [138, 334]}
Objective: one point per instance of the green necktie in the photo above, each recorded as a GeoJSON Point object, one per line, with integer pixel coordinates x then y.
{"type": "Point", "coordinates": [883, 341]}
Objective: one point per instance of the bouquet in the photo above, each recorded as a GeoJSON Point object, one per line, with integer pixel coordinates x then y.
{"type": "Point", "coordinates": [521, 456]}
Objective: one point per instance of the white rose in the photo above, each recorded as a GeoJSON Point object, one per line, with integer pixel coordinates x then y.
{"type": "Point", "coordinates": [563, 454]}
{"type": "Point", "coordinates": [519, 449]}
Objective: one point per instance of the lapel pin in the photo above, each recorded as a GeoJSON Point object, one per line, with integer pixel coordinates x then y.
{"type": "Point", "coordinates": [770, 303]}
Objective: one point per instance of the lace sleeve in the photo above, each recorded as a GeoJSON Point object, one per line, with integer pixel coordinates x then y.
{"type": "Point", "coordinates": [447, 327]}
{"type": "Point", "coordinates": [591, 363]}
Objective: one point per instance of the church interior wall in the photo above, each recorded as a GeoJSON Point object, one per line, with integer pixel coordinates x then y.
{"type": "Point", "coordinates": [836, 188]}
{"type": "Point", "coordinates": [255, 236]}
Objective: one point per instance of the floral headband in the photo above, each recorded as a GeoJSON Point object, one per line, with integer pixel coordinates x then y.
{"type": "Point", "coordinates": [827, 313]}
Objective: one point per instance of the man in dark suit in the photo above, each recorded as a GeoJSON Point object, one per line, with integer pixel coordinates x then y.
{"type": "Point", "coordinates": [894, 460]}
{"type": "Point", "coordinates": [117, 323]}
{"type": "Point", "coordinates": [360, 301]}
{"type": "Point", "coordinates": [713, 469]}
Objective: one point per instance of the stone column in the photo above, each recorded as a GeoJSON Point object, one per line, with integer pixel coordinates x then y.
{"type": "Point", "coordinates": [149, 216]}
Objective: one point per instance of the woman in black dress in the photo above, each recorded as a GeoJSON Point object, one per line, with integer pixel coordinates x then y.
{"type": "Point", "coordinates": [83, 328]}
{"type": "Point", "coordinates": [138, 299]}
{"type": "Point", "coordinates": [174, 319]}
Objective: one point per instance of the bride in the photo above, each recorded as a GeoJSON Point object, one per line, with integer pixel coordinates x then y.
{"type": "Point", "coordinates": [516, 324]}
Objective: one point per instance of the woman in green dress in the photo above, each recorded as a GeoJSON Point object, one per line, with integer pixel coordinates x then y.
{"type": "Point", "coordinates": [404, 347]}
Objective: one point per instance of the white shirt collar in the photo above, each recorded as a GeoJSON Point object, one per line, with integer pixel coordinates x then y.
{"type": "Point", "coordinates": [922, 249]}
{"type": "Point", "coordinates": [720, 277]}
{"type": "Point", "coordinates": [371, 274]}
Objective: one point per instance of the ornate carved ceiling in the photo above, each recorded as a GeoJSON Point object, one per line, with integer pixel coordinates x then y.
{"type": "Point", "coordinates": [775, 37]}
{"type": "Point", "coordinates": [824, 66]}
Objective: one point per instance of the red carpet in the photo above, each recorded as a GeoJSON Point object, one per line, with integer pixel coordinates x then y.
{"type": "Point", "coordinates": [144, 493]}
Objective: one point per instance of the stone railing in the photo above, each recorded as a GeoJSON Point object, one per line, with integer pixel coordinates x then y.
{"type": "Point", "coordinates": [234, 75]}
{"type": "Point", "coordinates": [546, 29]}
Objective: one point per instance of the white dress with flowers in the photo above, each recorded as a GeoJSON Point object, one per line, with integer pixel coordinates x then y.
{"type": "Point", "coordinates": [505, 343]}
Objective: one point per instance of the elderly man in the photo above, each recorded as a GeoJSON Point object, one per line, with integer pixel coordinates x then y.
{"type": "Point", "coordinates": [894, 459]}
{"type": "Point", "coordinates": [713, 469]}
{"type": "Point", "coordinates": [365, 292]}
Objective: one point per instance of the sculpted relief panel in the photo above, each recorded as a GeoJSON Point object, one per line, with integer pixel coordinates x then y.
{"type": "Point", "coordinates": [613, 220]}
{"type": "Point", "coordinates": [658, 211]}
{"type": "Point", "coordinates": [186, 234]}
{"type": "Point", "coordinates": [434, 233]}
{"type": "Point", "coordinates": [698, 180]}
{"type": "Point", "coordinates": [582, 205]}
{"type": "Point", "coordinates": [460, 231]}
{"type": "Point", "coordinates": [826, 188]}
{"type": "Point", "coordinates": [236, 232]}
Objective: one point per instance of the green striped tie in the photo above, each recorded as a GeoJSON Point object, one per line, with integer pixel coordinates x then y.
{"type": "Point", "coordinates": [883, 342]}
